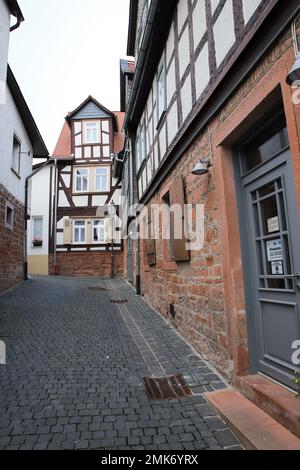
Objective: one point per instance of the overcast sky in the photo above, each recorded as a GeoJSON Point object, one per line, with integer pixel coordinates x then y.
{"type": "Point", "coordinates": [63, 52]}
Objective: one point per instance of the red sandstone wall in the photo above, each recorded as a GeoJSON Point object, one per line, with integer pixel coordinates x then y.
{"type": "Point", "coordinates": [208, 292]}
{"type": "Point", "coordinates": [87, 264]}
{"type": "Point", "coordinates": [11, 243]}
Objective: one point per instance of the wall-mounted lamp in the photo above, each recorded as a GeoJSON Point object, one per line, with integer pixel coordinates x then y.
{"type": "Point", "coordinates": [294, 74]}
{"type": "Point", "coordinates": [202, 167]}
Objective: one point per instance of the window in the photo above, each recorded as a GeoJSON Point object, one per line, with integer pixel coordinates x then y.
{"type": "Point", "coordinates": [101, 179]}
{"type": "Point", "coordinates": [92, 133]}
{"type": "Point", "coordinates": [79, 231]}
{"type": "Point", "coordinates": [265, 144]}
{"type": "Point", "coordinates": [161, 91]}
{"type": "Point", "coordinates": [81, 183]}
{"type": "Point", "coordinates": [98, 231]}
{"type": "Point", "coordinates": [16, 156]}
{"type": "Point", "coordinates": [37, 231]}
{"type": "Point", "coordinates": [141, 146]}
{"type": "Point", "coordinates": [9, 216]}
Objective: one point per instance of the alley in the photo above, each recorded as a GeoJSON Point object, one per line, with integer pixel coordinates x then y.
{"type": "Point", "coordinates": [75, 363]}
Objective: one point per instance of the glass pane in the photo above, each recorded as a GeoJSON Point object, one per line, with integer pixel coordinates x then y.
{"type": "Point", "coordinates": [270, 216]}
{"type": "Point", "coordinates": [276, 284]}
{"type": "Point", "coordinates": [265, 144]}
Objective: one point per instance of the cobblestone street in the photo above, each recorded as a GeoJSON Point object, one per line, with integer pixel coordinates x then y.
{"type": "Point", "coordinates": [75, 363]}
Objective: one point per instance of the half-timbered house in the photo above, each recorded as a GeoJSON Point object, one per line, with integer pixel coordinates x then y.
{"type": "Point", "coordinates": [212, 120]}
{"type": "Point", "coordinates": [81, 243]}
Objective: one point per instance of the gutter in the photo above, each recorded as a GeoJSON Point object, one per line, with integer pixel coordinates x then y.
{"type": "Point", "coordinates": [15, 10]}
{"type": "Point", "coordinates": [141, 59]}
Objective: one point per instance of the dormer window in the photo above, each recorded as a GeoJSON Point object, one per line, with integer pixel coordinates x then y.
{"type": "Point", "coordinates": [92, 133]}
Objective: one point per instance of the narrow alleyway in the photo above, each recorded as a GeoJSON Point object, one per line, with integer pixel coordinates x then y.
{"type": "Point", "coordinates": [75, 363]}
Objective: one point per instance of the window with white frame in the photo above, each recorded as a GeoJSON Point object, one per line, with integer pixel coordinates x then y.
{"type": "Point", "coordinates": [98, 231]}
{"type": "Point", "coordinates": [92, 133]}
{"type": "Point", "coordinates": [141, 146]}
{"type": "Point", "coordinates": [161, 90]}
{"type": "Point", "coordinates": [79, 231]}
{"type": "Point", "coordinates": [16, 155]}
{"type": "Point", "coordinates": [82, 180]}
{"type": "Point", "coordinates": [37, 231]}
{"type": "Point", "coordinates": [102, 179]}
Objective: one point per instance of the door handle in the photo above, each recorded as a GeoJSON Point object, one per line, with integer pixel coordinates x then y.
{"type": "Point", "coordinates": [293, 276]}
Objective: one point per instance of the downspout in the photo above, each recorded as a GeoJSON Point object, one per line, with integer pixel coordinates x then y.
{"type": "Point", "coordinates": [136, 201]}
{"type": "Point", "coordinates": [25, 264]}
{"type": "Point", "coordinates": [55, 220]}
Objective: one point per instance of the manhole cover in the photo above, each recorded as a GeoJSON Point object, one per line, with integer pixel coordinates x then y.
{"type": "Point", "coordinates": [101, 289]}
{"type": "Point", "coordinates": [119, 302]}
{"type": "Point", "coordinates": [167, 388]}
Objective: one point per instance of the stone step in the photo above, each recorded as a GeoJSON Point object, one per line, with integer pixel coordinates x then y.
{"type": "Point", "coordinates": [255, 429]}
{"type": "Point", "coordinates": [274, 399]}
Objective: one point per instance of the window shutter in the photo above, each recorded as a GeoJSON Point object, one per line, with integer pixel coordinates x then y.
{"type": "Point", "coordinates": [150, 245]}
{"type": "Point", "coordinates": [177, 196]}
{"type": "Point", "coordinates": [67, 231]}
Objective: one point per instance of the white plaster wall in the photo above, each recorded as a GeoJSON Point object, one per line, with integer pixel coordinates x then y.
{"type": "Point", "coordinates": [172, 123]}
{"type": "Point", "coordinates": [4, 42]}
{"type": "Point", "coordinates": [214, 4]}
{"type": "Point", "coordinates": [40, 207]}
{"type": "Point", "coordinates": [62, 199]}
{"type": "Point", "coordinates": [186, 97]}
{"type": "Point", "coordinates": [250, 7]}
{"type": "Point", "coordinates": [199, 22]}
{"type": "Point", "coordinates": [81, 201]}
{"type": "Point", "coordinates": [10, 124]}
{"type": "Point", "coordinates": [202, 73]}
{"type": "Point", "coordinates": [182, 10]}
{"type": "Point", "coordinates": [224, 32]}
{"type": "Point", "coordinates": [184, 51]}
{"type": "Point", "coordinates": [171, 82]}
{"type": "Point", "coordinates": [170, 45]}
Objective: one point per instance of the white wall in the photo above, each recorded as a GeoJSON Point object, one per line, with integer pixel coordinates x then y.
{"type": "Point", "coordinates": [4, 41]}
{"type": "Point", "coordinates": [10, 124]}
{"type": "Point", "coordinates": [224, 38]}
{"type": "Point", "coordinates": [40, 207]}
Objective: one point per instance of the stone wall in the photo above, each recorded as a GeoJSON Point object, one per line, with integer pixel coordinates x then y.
{"type": "Point", "coordinates": [11, 242]}
{"type": "Point", "coordinates": [87, 264]}
{"type": "Point", "coordinates": [204, 298]}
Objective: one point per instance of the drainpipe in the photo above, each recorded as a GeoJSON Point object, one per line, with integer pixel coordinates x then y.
{"type": "Point", "coordinates": [25, 264]}
{"type": "Point", "coordinates": [55, 219]}
{"type": "Point", "coordinates": [135, 200]}
{"type": "Point", "coordinates": [16, 26]}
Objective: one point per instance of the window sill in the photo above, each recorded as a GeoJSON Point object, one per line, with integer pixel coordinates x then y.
{"type": "Point", "coordinates": [16, 173]}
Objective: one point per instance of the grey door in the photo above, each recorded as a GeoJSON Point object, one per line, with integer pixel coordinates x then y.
{"type": "Point", "coordinates": [271, 247]}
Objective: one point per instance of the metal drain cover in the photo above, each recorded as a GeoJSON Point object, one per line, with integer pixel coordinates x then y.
{"type": "Point", "coordinates": [119, 302]}
{"type": "Point", "coordinates": [167, 388]}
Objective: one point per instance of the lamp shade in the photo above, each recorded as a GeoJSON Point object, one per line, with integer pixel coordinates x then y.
{"type": "Point", "coordinates": [294, 74]}
{"type": "Point", "coordinates": [202, 167]}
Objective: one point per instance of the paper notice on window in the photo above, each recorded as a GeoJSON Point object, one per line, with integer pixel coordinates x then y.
{"type": "Point", "coordinates": [273, 225]}
{"type": "Point", "coordinates": [275, 250]}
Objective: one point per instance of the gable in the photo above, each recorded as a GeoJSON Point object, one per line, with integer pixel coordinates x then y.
{"type": "Point", "coordinates": [91, 111]}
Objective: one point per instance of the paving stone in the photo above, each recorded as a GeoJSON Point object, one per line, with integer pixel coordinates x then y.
{"type": "Point", "coordinates": [76, 368]}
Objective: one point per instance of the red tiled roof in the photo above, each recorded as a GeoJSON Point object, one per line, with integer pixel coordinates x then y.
{"type": "Point", "coordinates": [119, 138]}
{"type": "Point", "coordinates": [63, 147]}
